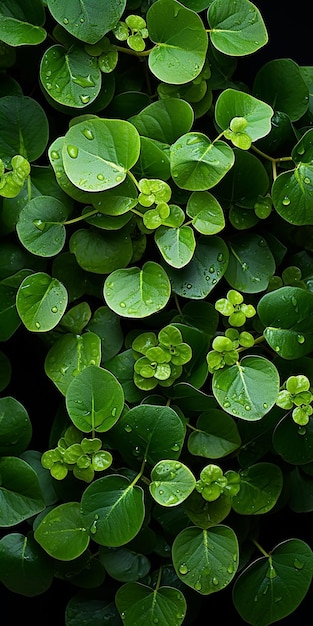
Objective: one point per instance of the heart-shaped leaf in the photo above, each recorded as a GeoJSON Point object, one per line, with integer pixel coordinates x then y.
{"type": "Point", "coordinates": [141, 605]}
{"type": "Point", "coordinates": [251, 263]}
{"type": "Point", "coordinates": [171, 482]}
{"type": "Point", "coordinates": [272, 84]}
{"type": "Point", "coordinates": [15, 427]}
{"type": "Point", "coordinates": [164, 120]}
{"type": "Point", "coordinates": [216, 435]}
{"type": "Point", "coordinates": [22, 25]}
{"type": "Point", "coordinates": [176, 245]}
{"type": "Point", "coordinates": [20, 492]}
{"type": "Point", "coordinates": [292, 194]}
{"type": "Point", "coordinates": [206, 560]}
{"type": "Point", "coordinates": [134, 292]}
{"type": "Point", "coordinates": [257, 115]}
{"type": "Point", "coordinates": [206, 213]}
{"type": "Point", "coordinates": [25, 568]}
{"type": "Point", "coordinates": [23, 128]}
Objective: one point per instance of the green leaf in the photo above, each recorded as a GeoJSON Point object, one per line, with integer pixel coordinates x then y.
{"type": "Point", "coordinates": [176, 245]}
{"type": "Point", "coordinates": [40, 226]}
{"type": "Point", "coordinates": [123, 564]}
{"type": "Point", "coordinates": [292, 194]}
{"type": "Point", "coordinates": [260, 488]}
{"type": "Point", "coordinates": [171, 482]}
{"type": "Point", "coordinates": [24, 567]}
{"type": "Point", "coordinates": [164, 120]}
{"type": "Point", "coordinates": [41, 301]}
{"type": "Point", "coordinates": [139, 604]}
{"type": "Point", "coordinates": [69, 355]}
{"type": "Point", "coordinates": [71, 77]}
{"type": "Point", "coordinates": [206, 213]}
{"type": "Point", "coordinates": [208, 265]}
{"type": "Point", "coordinates": [197, 164]}
{"type": "Point", "coordinates": [206, 560]}
{"type": "Point", "coordinates": [83, 19]}
{"type": "Point", "coordinates": [116, 201]}
{"type": "Point", "coordinates": [135, 292]}
{"type": "Point", "coordinates": [94, 399]}
{"type": "Point", "coordinates": [23, 128]}
{"type": "Point", "coordinates": [286, 313]}
{"type": "Point", "coordinates": [216, 435]}
{"type": "Point", "coordinates": [233, 103]}
{"type": "Point", "coordinates": [236, 29]}
{"type": "Point", "coordinates": [20, 25]}
{"type": "Point", "coordinates": [97, 153]}
{"type": "Point", "coordinates": [272, 84]}
{"type": "Point", "coordinates": [113, 510]}
{"type": "Point", "coordinates": [251, 263]}
{"type": "Point", "coordinates": [20, 493]}
{"type": "Point", "coordinates": [101, 252]}
{"type": "Point", "coordinates": [248, 389]}
{"type": "Point", "coordinates": [9, 318]}
{"type": "Point", "coordinates": [261, 593]}
{"type": "Point", "coordinates": [149, 432]}
{"type": "Point", "coordinates": [181, 42]}
{"type": "Point", "coordinates": [61, 532]}
{"type": "Point", "coordinates": [15, 427]}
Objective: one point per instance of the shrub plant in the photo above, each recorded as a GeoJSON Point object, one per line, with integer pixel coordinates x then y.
{"type": "Point", "coordinates": [156, 277]}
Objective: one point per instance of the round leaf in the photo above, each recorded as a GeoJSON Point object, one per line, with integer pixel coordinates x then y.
{"type": "Point", "coordinates": [63, 75]}
{"type": "Point", "coordinates": [25, 568]}
{"type": "Point", "coordinates": [292, 442]}
{"type": "Point", "coordinates": [176, 245]}
{"type": "Point", "coordinates": [216, 435]}
{"type": "Point", "coordinates": [40, 226]}
{"type": "Point", "coordinates": [181, 42]}
{"type": "Point", "coordinates": [164, 120]}
{"type": "Point", "coordinates": [142, 605]}
{"type": "Point", "coordinates": [137, 293]}
{"type": "Point", "coordinates": [248, 389]}
{"type": "Point", "coordinates": [292, 194]}
{"type": "Point", "coordinates": [113, 510]}
{"type": "Point", "coordinates": [236, 29]}
{"type": "Point", "coordinates": [206, 213]}
{"type": "Point", "coordinates": [171, 483]}
{"type": "Point", "coordinates": [260, 488]}
{"type": "Point", "coordinates": [101, 252]}
{"type": "Point", "coordinates": [272, 84]}
{"type": "Point", "coordinates": [84, 20]}
{"type": "Point", "coordinates": [61, 532]}
{"type": "Point", "coordinates": [94, 399]}
{"type": "Point", "coordinates": [198, 164]}
{"type": "Point", "coordinates": [15, 427]}
{"type": "Point", "coordinates": [261, 593]}
{"type": "Point", "coordinates": [20, 492]}
{"type": "Point", "coordinates": [206, 560]}
{"type": "Point", "coordinates": [23, 128]}
{"type": "Point", "coordinates": [97, 153]}
{"type": "Point", "coordinates": [233, 103]}
{"type": "Point", "coordinates": [251, 263]}
{"type": "Point", "coordinates": [41, 302]}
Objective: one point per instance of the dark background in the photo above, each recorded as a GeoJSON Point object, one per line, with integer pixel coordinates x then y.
{"type": "Point", "coordinates": [290, 29]}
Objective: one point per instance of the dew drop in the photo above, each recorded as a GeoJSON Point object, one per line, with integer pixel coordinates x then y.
{"type": "Point", "coordinates": [65, 21]}
{"type": "Point", "coordinates": [119, 178]}
{"type": "Point", "coordinates": [122, 305]}
{"type": "Point", "coordinates": [83, 81]}
{"type": "Point", "coordinates": [88, 133]}
{"type": "Point", "coordinates": [37, 324]}
{"type": "Point", "coordinates": [247, 407]}
{"type": "Point", "coordinates": [113, 412]}
{"type": "Point", "coordinates": [298, 564]}
{"type": "Point", "coordinates": [175, 447]}
{"type": "Point", "coordinates": [198, 585]}
{"type": "Point", "coordinates": [265, 406]}
{"type": "Point", "coordinates": [306, 180]}
{"type": "Point", "coordinates": [215, 581]}
{"type": "Point", "coordinates": [54, 154]}
{"type": "Point", "coordinates": [301, 430]}
{"type": "Point", "coordinates": [189, 286]}
{"type": "Point", "coordinates": [100, 177]}
{"type": "Point", "coordinates": [72, 151]}
{"type": "Point", "coordinates": [85, 99]}
{"type": "Point", "coordinates": [220, 257]}
{"type": "Point", "coordinates": [226, 405]}
{"type": "Point", "coordinates": [244, 267]}
{"type": "Point", "coordinates": [48, 86]}
{"type": "Point", "coordinates": [300, 339]}
{"type": "Point", "coordinates": [271, 572]}
{"type": "Point", "coordinates": [54, 309]}
{"type": "Point", "coordinates": [286, 201]}
{"type": "Point", "coordinates": [128, 428]}
{"type": "Point", "coordinates": [39, 224]}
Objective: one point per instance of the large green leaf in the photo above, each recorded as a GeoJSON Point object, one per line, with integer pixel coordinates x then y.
{"type": "Point", "coordinates": [176, 245]}
{"type": "Point", "coordinates": [141, 605]}
{"type": "Point", "coordinates": [272, 84]}
{"type": "Point", "coordinates": [97, 153]}
{"type": "Point", "coordinates": [135, 292]}
{"type": "Point", "coordinates": [206, 213]}
{"type": "Point", "coordinates": [41, 301]}
{"type": "Point", "coordinates": [206, 560]}
{"type": "Point", "coordinates": [236, 29]}
{"type": "Point", "coordinates": [149, 432]}
{"type": "Point", "coordinates": [69, 355]}
{"type": "Point", "coordinates": [15, 427]}
{"type": "Point", "coordinates": [71, 77]}
{"type": "Point", "coordinates": [9, 317]}
{"type": "Point", "coordinates": [25, 569]}
{"type": "Point", "coordinates": [292, 194]}
{"type": "Point", "coordinates": [197, 164]}
{"type": "Point", "coordinates": [260, 488]}
{"type": "Point", "coordinates": [181, 42]}
{"type": "Point", "coordinates": [20, 492]}
{"type": "Point", "coordinates": [287, 316]}
{"type": "Point", "coordinates": [171, 482]}
{"type": "Point", "coordinates": [292, 442]}
{"type": "Point", "coordinates": [23, 128]}
{"type": "Point", "coordinates": [113, 509]}
{"type": "Point", "coordinates": [84, 20]}
{"type": "Point", "coordinates": [124, 564]}
{"type": "Point", "coordinates": [208, 265]}
{"type": "Point", "coordinates": [261, 593]}
{"type": "Point", "coordinates": [94, 399]}
{"type": "Point", "coordinates": [21, 23]}
{"type": "Point", "coordinates": [233, 103]}
{"type": "Point", "coordinates": [61, 533]}
{"type": "Point", "coordinates": [101, 252]}
{"type": "Point", "coordinates": [248, 389]}
{"type": "Point", "coordinates": [251, 263]}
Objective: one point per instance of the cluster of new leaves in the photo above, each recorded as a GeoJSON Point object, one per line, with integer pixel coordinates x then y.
{"type": "Point", "coordinates": [159, 359]}
{"type": "Point", "coordinates": [213, 482]}
{"type": "Point", "coordinates": [296, 395]}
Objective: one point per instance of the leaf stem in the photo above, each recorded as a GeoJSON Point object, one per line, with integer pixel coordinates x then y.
{"type": "Point", "coordinates": [81, 217]}
{"type": "Point", "coordinates": [260, 547]}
